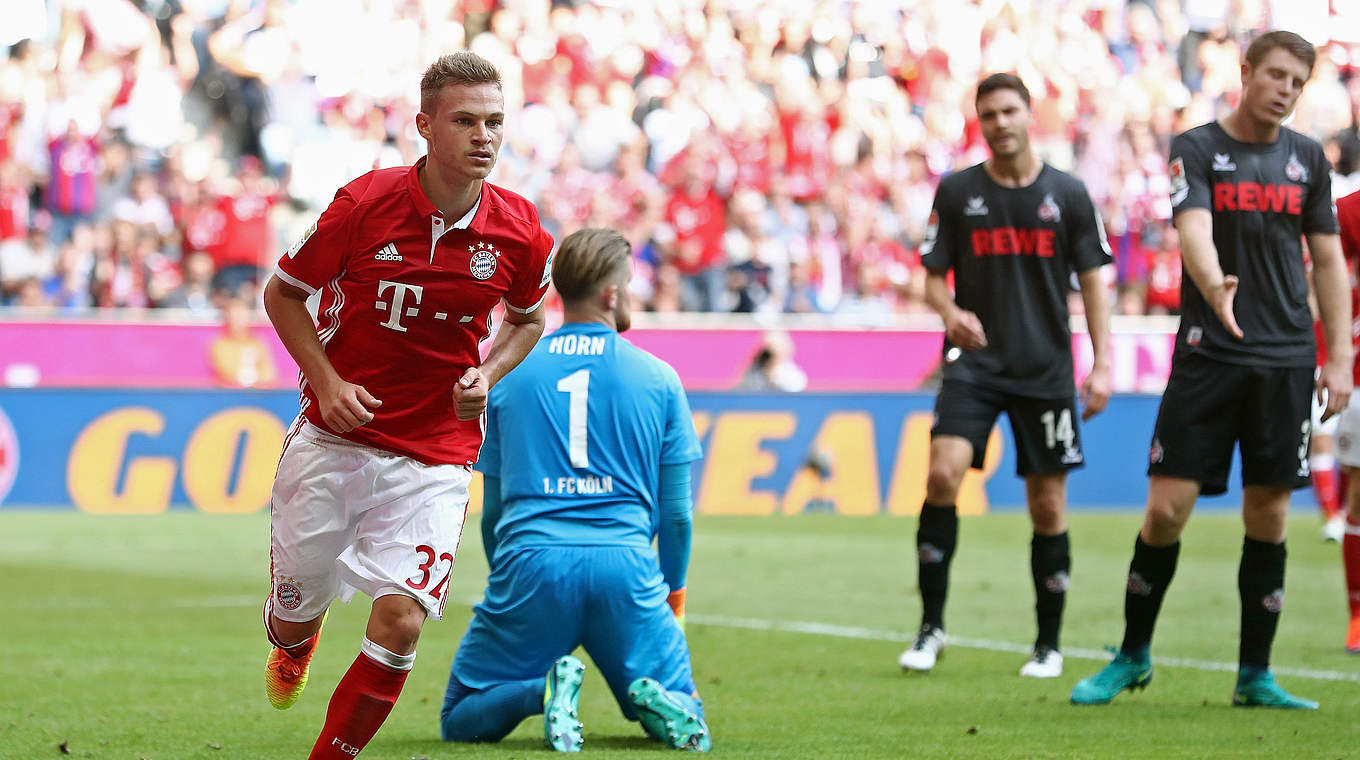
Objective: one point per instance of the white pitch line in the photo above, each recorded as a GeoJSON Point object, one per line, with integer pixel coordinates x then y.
{"type": "Point", "coordinates": [870, 634]}
{"type": "Point", "coordinates": [782, 626]}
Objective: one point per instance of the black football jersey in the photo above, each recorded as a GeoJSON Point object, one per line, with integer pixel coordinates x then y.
{"type": "Point", "coordinates": [1013, 252]}
{"type": "Point", "coordinates": [1263, 198]}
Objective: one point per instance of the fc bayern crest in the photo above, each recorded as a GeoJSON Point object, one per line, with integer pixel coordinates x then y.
{"type": "Point", "coordinates": [9, 455]}
{"type": "Point", "coordinates": [483, 261]}
{"type": "Point", "coordinates": [289, 596]}
{"type": "Point", "coordinates": [1294, 170]}
{"type": "Point", "coordinates": [1048, 210]}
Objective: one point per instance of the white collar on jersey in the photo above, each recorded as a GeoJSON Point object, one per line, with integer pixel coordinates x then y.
{"type": "Point", "coordinates": [466, 221]}
{"type": "Point", "coordinates": [437, 228]}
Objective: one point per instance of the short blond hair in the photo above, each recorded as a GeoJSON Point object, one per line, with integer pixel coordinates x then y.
{"type": "Point", "coordinates": [462, 68]}
{"type": "Point", "coordinates": [589, 260]}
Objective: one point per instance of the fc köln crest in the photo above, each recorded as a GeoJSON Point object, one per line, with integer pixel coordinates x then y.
{"type": "Point", "coordinates": [1048, 210]}
{"type": "Point", "coordinates": [483, 261]}
{"type": "Point", "coordinates": [1294, 170]}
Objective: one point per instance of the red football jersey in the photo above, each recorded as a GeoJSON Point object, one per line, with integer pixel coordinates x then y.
{"type": "Point", "coordinates": [1348, 215]}
{"type": "Point", "coordinates": [406, 299]}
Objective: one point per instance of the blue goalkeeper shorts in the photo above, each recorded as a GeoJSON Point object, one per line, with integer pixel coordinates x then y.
{"type": "Point", "coordinates": [543, 602]}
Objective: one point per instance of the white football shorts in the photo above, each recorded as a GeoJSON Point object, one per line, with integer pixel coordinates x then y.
{"type": "Point", "coordinates": [1348, 433]}
{"type": "Point", "coordinates": [348, 517]}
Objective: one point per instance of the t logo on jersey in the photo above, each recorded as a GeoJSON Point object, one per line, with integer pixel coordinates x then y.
{"type": "Point", "coordinates": [397, 308]}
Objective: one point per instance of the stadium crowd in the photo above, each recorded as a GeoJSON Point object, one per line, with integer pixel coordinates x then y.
{"type": "Point", "coordinates": [760, 156]}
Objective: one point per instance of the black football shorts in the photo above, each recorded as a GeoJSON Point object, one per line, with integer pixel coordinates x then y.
{"type": "Point", "coordinates": [1209, 405]}
{"type": "Point", "coordinates": [1046, 431]}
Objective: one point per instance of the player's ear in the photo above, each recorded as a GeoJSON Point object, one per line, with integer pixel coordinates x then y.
{"type": "Point", "coordinates": [611, 296]}
{"type": "Point", "coordinates": [423, 125]}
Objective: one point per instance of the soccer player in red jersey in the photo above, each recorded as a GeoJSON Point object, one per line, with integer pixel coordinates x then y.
{"type": "Point", "coordinates": [1348, 431]}
{"type": "Point", "coordinates": [372, 487]}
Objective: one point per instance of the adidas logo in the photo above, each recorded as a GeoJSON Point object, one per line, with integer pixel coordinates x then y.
{"type": "Point", "coordinates": [388, 253]}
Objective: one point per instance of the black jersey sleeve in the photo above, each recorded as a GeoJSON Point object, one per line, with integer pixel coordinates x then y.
{"type": "Point", "coordinates": [1319, 213]}
{"type": "Point", "coordinates": [1086, 231]}
{"type": "Point", "coordinates": [1189, 175]}
{"type": "Point", "coordinates": [937, 247]}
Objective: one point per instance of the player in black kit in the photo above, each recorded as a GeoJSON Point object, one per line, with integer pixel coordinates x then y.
{"type": "Point", "coordinates": [1014, 230]}
{"type": "Point", "coordinates": [1244, 190]}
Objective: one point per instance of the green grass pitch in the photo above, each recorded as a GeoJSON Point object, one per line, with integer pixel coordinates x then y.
{"type": "Point", "coordinates": [140, 637]}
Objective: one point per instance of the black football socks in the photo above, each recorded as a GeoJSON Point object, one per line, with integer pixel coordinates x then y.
{"type": "Point", "coordinates": [1050, 560]}
{"type": "Point", "coordinates": [936, 535]}
{"type": "Point", "coordinates": [1260, 581]}
{"type": "Point", "coordinates": [1150, 574]}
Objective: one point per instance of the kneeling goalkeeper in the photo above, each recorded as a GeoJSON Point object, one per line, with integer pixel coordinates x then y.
{"type": "Point", "coordinates": [586, 459]}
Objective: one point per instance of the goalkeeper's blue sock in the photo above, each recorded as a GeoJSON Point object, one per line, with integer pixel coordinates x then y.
{"type": "Point", "coordinates": [487, 716]}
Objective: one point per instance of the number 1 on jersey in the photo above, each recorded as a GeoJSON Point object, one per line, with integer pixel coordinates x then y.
{"type": "Point", "coordinates": [577, 386]}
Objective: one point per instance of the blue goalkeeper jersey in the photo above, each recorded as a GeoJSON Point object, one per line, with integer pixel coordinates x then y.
{"type": "Point", "coordinates": [577, 434]}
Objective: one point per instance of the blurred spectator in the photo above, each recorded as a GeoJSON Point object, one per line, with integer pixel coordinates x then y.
{"type": "Point", "coordinates": [14, 215]}
{"type": "Point", "coordinates": [144, 208]}
{"type": "Point", "coordinates": [247, 243]}
{"type": "Point", "coordinates": [1164, 276]}
{"type": "Point", "coordinates": [239, 359]}
{"type": "Point", "coordinates": [696, 217]}
{"type": "Point", "coordinates": [219, 124]}
{"type": "Point", "coordinates": [772, 367]}
{"type": "Point", "coordinates": [24, 260]}
{"type": "Point", "coordinates": [71, 186]}
{"type": "Point", "coordinates": [196, 292]}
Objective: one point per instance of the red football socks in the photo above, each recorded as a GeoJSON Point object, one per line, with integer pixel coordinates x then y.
{"type": "Point", "coordinates": [1326, 485]}
{"type": "Point", "coordinates": [358, 708]}
{"type": "Point", "coordinates": [1350, 555]}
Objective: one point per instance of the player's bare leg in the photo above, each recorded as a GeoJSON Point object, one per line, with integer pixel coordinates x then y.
{"type": "Point", "coordinates": [367, 692]}
{"type": "Point", "coordinates": [1350, 557]}
{"type": "Point", "coordinates": [936, 535]}
{"type": "Point", "coordinates": [1050, 563]}
{"type": "Point", "coordinates": [285, 671]}
{"type": "Point", "coordinates": [1170, 502]}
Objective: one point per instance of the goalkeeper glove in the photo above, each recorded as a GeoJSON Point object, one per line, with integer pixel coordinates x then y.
{"type": "Point", "coordinates": [676, 600]}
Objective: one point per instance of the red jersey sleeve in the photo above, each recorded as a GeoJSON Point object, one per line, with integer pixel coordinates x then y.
{"type": "Point", "coordinates": [531, 284]}
{"type": "Point", "coordinates": [1348, 213]}
{"type": "Point", "coordinates": [321, 253]}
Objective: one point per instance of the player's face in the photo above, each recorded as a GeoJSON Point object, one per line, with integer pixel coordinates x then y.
{"type": "Point", "coordinates": [1272, 87]}
{"type": "Point", "coordinates": [465, 131]}
{"type": "Point", "coordinates": [1004, 119]}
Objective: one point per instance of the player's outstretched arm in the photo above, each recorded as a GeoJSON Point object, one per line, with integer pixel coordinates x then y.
{"type": "Point", "coordinates": [344, 405]}
{"type": "Point", "coordinates": [1095, 389]}
{"type": "Point", "coordinates": [1331, 279]}
{"type": "Point", "coordinates": [1200, 257]}
{"type": "Point", "coordinates": [961, 327]}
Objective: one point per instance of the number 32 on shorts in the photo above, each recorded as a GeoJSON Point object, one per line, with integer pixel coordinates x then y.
{"type": "Point", "coordinates": [432, 564]}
